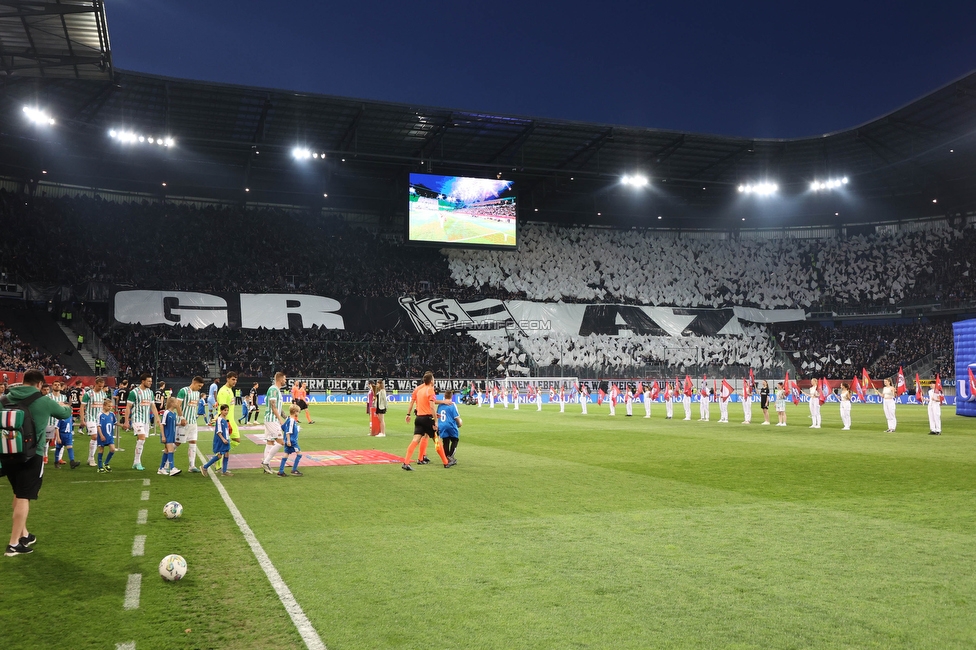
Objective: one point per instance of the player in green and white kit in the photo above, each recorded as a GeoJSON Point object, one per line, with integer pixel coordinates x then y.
{"type": "Point", "coordinates": [186, 429]}
{"type": "Point", "coordinates": [51, 430]}
{"type": "Point", "coordinates": [273, 437]}
{"type": "Point", "coordinates": [91, 409]}
{"type": "Point", "coordinates": [139, 406]}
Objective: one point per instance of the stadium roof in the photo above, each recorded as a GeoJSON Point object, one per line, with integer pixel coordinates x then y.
{"type": "Point", "coordinates": [919, 160]}
{"type": "Point", "coordinates": [62, 39]}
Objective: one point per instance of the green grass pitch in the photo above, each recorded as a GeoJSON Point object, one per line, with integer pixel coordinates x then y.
{"type": "Point", "coordinates": [425, 226]}
{"type": "Point", "coordinates": [553, 531]}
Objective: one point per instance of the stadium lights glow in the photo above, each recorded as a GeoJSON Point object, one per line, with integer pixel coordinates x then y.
{"type": "Point", "coordinates": [831, 184]}
{"type": "Point", "coordinates": [761, 189]}
{"type": "Point", "coordinates": [635, 180]}
{"type": "Point", "coordinates": [131, 137]}
{"type": "Point", "coordinates": [300, 153]}
{"type": "Point", "coordinates": [38, 116]}
{"type": "Point", "coordinates": [325, 196]}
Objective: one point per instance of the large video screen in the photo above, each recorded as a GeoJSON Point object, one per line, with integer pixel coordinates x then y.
{"type": "Point", "coordinates": [462, 211]}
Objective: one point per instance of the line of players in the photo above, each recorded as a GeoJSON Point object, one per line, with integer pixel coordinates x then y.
{"type": "Point", "coordinates": [649, 394]}
{"type": "Point", "coordinates": [176, 419]}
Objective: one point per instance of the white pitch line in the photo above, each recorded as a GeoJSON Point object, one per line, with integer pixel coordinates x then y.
{"type": "Point", "coordinates": [132, 591]}
{"type": "Point", "coordinates": [139, 546]}
{"type": "Point", "coordinates": [120, 480]}
{"type": "Point", "coordinates": [142, 517]}
{"type": "Point", "coordinates": [131, 645]}
{"type": "Point", "coordinates": [311, 638]}
{"type": "Point", "coordinates": [145, 482]}
{"type": "Point", "coordinates": [145, 495]}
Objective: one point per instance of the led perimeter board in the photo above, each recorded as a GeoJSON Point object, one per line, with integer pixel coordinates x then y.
{"type": "Point", "coordinates": [462, 211]}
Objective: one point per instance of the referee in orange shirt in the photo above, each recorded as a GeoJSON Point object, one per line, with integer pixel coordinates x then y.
{"type": "Point", "coordinates": [424, 426]}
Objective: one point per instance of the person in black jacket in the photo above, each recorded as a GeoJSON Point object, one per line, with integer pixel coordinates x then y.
{"type": "Point", "coordinates": [764, 401]}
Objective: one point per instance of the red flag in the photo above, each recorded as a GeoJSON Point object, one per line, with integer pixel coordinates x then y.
{"type": "Point", "coordinates": [918, 389]}
{"type": "Point", "coordinates": [714, 388]}
{"type": "Point", "coordinates": [747, 387]}
{"type": "Point", "coordinates": [938, 383]}
{"type": "Point", "coordinates": [640, 388]}
{"type": "Point", "coordinates": [689, 388]}
{"type": "Point", "coordinates": [972, 383]}
{"type": "Point", "coordinates": [655, 390]}
{"type": "Point", "coordinates": [793, 389]}
{"type": "Point", "coordinates": [865, 379]}
{"type": "Point", "coordinates": [726, 390]}
{"type": "Point", "coordinates": [752, 381]}
{"type": "Point", "coordinates": [824, 390]}
{"type": "Point", "coordinates": [600, 396]}
{"type": "Point", "coordinates": [859, 390]}
{"type": "Point", "coordinates": [900, 386]}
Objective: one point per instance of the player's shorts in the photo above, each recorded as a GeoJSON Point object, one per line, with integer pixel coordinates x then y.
{"type": "Point", "coordinates": [187, 434]}
{"type": "Point", "coordinates": [448, 433]}
{"type": "Point", "coordinates": [380, 411]}
{"type": "Point", "coordinates": [49, 433]}
{"type": "Point", "coordinates": [168, 438]}
{"type": "Point", "coordinates": [272, 431]}
{"type": "Point", "coordinates": [302, 404]}
{"type": "Point", "coordinates": [780, 406]}
{"type": "Point", "coordinates": [423, 425]}
{"type": "Point", "coordinates": [68, 439]}
{"type": "Point", "coordinates": [140, 428]}
{"type": "Point", "coordinates": [292, 449]}
{"type": "Point", "coordinates": [25, 476]}
{"type": "Point", "coordinates": [92, 428]}
{"type": "Point", "coordinates": [109, 439]}
{"type": "Point", "coordinates": [219, 446]}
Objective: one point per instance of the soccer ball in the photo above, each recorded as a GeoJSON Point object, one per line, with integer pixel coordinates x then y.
{"type": "Point", "coordinates": [173, 510]}
{"type": "Point", "coordinates": [172, 568]}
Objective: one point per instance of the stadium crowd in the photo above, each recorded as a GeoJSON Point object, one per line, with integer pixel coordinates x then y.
{"type": "Point", "coordinates": [18, 356]}
{"type": "Point", "coordinates": [820, 351]}
{"type": "Point", "coordinates": [614, 354]}
{"type": "Point", "coordinates": [171, 246]}
{"type": "Point", "coordinates": [311, 352]}
{"type": "Point", "coordinates": [650, 268]}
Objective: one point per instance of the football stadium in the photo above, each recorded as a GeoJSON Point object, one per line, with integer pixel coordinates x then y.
{"type": "Point", "coordinates": [294, 370]}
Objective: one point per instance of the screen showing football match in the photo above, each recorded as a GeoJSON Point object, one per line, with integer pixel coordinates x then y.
{"type": "Point", "coordinates": [462, 211]}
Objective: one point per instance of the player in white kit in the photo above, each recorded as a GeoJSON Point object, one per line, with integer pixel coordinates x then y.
{"type": "Point", "coordinates": [814, 393]}
{"type": "Point", "coordinates": [186, 426]}
{"type": "Point", "coordinates": [746, 402]}
{"type": "Point", "coordinates": [888, 404]}
{"type": "Point", "coordinates": [723, 403]}
{"type": "Point", "coordinates": [845, 406]}
{"type": "Point", "coordinates": [935, 411]}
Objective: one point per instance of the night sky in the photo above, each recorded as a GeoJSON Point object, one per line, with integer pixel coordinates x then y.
{"type": "Point", "coordinates": [758, 69]}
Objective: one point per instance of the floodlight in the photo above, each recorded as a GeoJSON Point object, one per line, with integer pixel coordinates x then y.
{"type": "Point", "coordinates": [829, 184]}
{"type": "Point", "coordinates": [300, 153]}
{"type": "Point", "coordinates": [635, 180]}
{"type": "Point", "coordinates": [760, 189]}
{"type": "Point", "coordinates": [38, 116]}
